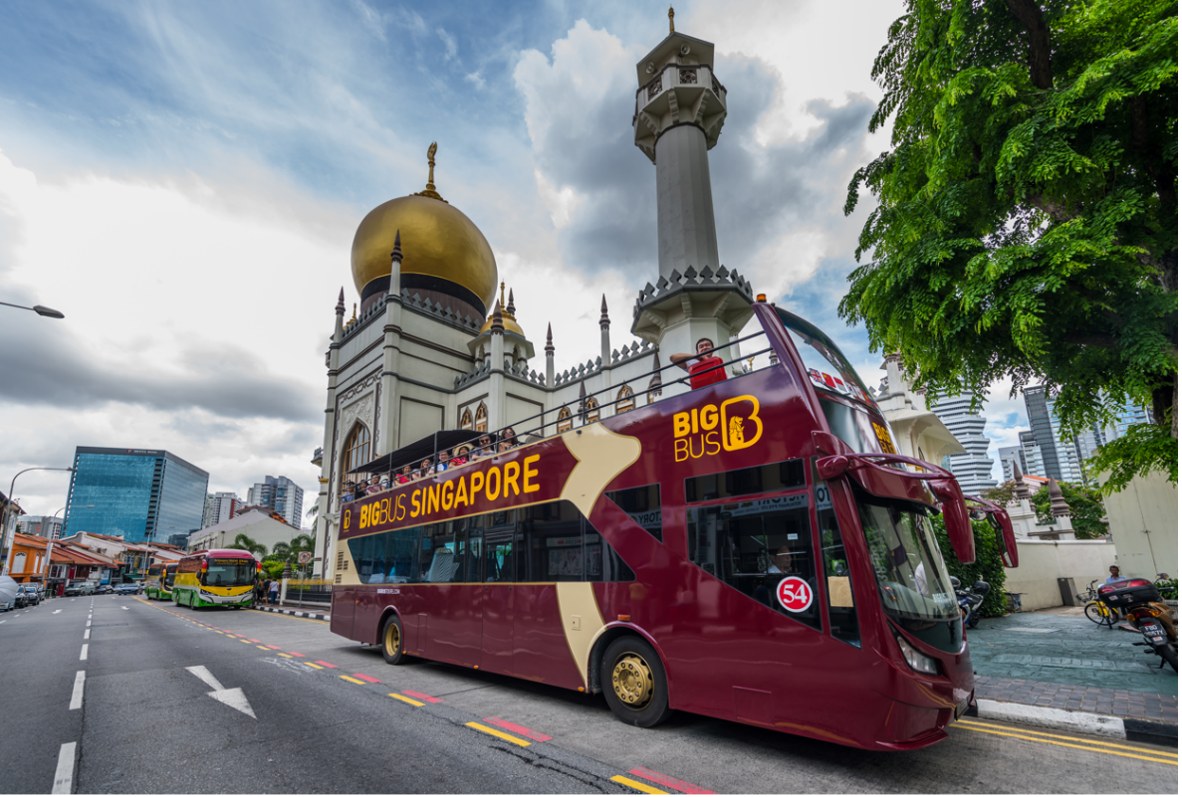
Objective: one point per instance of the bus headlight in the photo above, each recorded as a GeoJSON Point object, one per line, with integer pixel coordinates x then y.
{"type": "Point", "coordinates": [918, 661]}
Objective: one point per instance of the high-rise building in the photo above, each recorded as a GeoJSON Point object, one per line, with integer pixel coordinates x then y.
{"type": "Point", "coordinates": [1010, 456]}
{"type": "Point", "coordinates": [281, 495]}
{"type": "Point", "coordinates": [220, 507]}
{"type": "Point", "coordinates": [40, 525]}
{"type": "Point", "coordinates": [1038, 411]}
{"type": "Point", "coordinates": [138, 494]}
{"type": "Point", "coordinates": [1032, 462]}
{"type": "Point", "coordinates": [974, 469]}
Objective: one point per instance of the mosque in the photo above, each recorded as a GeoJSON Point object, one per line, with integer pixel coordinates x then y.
{"type": "Point", "coordinates": [433, 353]}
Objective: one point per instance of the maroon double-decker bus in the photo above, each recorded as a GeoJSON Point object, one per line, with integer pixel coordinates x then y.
{"type": "Point", "coordinates": [753, 550]}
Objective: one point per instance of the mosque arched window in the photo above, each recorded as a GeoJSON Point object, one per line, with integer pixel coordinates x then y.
{"type": "Point", "coordinates": [625, 399]}
{"type": "Point", "coordinates": [466, 419]}
{"type": "Point", "coordinates": [564, 420]}
{"type": "Point", "coordinates": [654, 394]}
{"type": "Point", "coordinates": [481, 418]}
{"type": "Point", "coordinates": [356, 451]}
{"type": "Point", "coordinates": [591, 410]}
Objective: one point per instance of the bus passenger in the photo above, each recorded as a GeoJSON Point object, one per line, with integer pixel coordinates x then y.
{"type": "Point", "coordinates": [405, 476]}
{"type": "Point", "coordinates": [374, 486]}
{"type": "Point", "coordinates": [705, 368]}
{"type": "Point", "coordinates": [484, 448]}
{"type": "Point", "coordinates": [460, 456]}
{"type": "Point", "coordinates": [444, 460]}
{"type": "Point", "coordinates": [425, 468]}
{"type": "Point", "coordinates": [508, 439]}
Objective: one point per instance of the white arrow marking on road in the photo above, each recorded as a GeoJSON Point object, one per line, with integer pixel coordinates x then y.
{"type": "Point", "coordinates": [234, 698]}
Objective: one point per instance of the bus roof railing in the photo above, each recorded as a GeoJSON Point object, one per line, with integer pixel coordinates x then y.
{"type": "Point", "coordinates": [584, 410]}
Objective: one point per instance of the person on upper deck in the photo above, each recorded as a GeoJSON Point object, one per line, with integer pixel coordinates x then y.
{"type": "Point", "coordinates": [484, 448]}
{"type": "Point", "coordinates": [508, 439]}
{"type": "Point", "coordinates": [405, 476]}
{"type": "Point", "coordinates": [705, 367]}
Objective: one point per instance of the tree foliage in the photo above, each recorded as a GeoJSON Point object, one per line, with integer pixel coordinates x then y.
{"type": "Point", "coordinates": [246, 543]}
{"type": "Point", "coordinates": [1087, 509]}
{"type": "Point", "coordinates": [1026, 225]}
{"type": "Point", "coordinates": [988, 566]}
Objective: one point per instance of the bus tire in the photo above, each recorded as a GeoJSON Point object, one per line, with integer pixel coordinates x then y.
{"type": "Point", "coordinates": [634, 682]}
{"type": "Point", "coordinates": [392, 641]}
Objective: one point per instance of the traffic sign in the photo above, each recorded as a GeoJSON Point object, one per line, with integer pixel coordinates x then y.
{"type": "Point", "coordinates": [795, 594]}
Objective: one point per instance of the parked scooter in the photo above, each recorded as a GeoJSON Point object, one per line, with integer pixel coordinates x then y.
{"type": "Point", "coordinates": [970, 600]}
{"type": "Point", "coordinates": [1138, 601]}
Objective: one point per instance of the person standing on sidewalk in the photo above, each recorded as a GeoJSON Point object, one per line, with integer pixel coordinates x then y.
{"type": "Point", "coordinates": [273, 592]}
{"type": "Point", "coordinates": [1114, 575]}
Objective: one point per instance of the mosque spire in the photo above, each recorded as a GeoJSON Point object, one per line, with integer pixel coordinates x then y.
{"type": "Point", "coordinates": [671, 19]}
{"type": "Point", "coordinates": [396, 252]}
{"type": "Point", "coordinates": [430, 189]}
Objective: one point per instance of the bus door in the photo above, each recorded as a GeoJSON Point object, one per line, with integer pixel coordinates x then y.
{"type": "Point", "coordinates": [452, 628]}
{"type": "Point", "coordinates": [501, 542]}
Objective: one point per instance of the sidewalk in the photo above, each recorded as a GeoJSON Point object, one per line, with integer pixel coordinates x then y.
{"type": "Point", "coordinates": [1052, 668]}
{"type": "Point", "coordinates": [1057, 669]}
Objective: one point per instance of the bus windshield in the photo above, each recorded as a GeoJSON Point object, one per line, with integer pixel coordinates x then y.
{"type": "Point", "coordinates": [912, 580]}
{"type": "Point", "coordinates": [834, 379]}
{"type": "Point", "coordinates": [230, 572]}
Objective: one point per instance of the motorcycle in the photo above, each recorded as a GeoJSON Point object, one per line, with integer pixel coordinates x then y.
{"type": "Point", "coordinates": [1140, 603]}
{"type": "Point", "coordinates": [970, 600]}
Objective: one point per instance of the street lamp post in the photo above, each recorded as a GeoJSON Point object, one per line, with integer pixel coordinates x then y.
{"type": "Point", "coordinates": [9, 518]}
{"type": "Point", "coordinates": [39, 309]}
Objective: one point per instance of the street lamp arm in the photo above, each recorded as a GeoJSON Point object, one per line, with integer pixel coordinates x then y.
{"type": "Point", "coordinates": [39, 309]}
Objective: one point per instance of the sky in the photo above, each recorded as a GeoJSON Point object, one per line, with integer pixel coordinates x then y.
{"type": "Point", "coordinates": [183, 181]}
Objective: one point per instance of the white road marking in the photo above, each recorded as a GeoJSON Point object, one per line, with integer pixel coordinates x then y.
{"type": "Point", "coordinates": [88, 624]}
{"type": "Point", "coordinates": [57, 611]}
{"type": "Point", "coordinates": [86, 634]}
{"type": "Point", "coordinates": [234, 698]}
{"type": "Point", "coordinates": [124, 608]}
{"type": "Point", "coordinates": [63, 779]}
{"type": "Point", "coordinates": [2, 622]}
{"type": "Point", "coordinates": [85, 649]}
{"type": "Point", "coordinates": [76, 698]}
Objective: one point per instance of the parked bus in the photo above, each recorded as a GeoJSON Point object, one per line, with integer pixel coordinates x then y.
{"type": "Point", "coordinates": [158, 584]}
{"type": "Point", "coordinates": [219, 577]}
{"type": "Point", "coordinates": [752, 550]}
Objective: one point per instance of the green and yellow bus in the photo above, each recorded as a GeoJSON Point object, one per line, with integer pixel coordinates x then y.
{"type": "Point", "coordinates": [219, 577]}
{"type": "Point", "coordinates": [158, 584]}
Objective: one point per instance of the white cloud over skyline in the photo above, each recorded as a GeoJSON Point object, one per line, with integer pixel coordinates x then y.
{"type": "Point", "coordinates": [184, 182]}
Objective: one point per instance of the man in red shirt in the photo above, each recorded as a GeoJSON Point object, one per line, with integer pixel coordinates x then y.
{"type": "Point", "coordinates": [704, 367]}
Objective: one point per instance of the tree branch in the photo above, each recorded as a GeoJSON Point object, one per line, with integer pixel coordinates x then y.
{"type": "Point", "coordinates": [1030, 16]}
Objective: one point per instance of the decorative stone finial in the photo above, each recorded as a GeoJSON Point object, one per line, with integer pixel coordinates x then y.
{"type": "Point", "coordinates": [498, 321]}
{"type": "Point", "coordinates": [1020, 490]}
{"type": "Point", "coordinates": [341, 302]}
{"type": "Point", "coordinates": [549, 340]}
{"type": "Point", "coordinates": [671, 19]}
{"type": "Point", "coordinates": [510, 307]}
{"type": "Point", "coordinates": [1059, 507]}
{"type": "Point", "coordinates": [396, 252]}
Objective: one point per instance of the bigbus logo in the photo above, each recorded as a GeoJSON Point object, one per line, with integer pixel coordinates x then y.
{"type": "Point", "coordinates": [704, 431]}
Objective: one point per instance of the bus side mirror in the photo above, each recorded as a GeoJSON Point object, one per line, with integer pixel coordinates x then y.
{"type": "Point", "coordinates": [956, 519]}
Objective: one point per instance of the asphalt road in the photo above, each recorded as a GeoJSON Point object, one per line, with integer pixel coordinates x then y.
{"type": "Point", "coordinates": [180, 701]}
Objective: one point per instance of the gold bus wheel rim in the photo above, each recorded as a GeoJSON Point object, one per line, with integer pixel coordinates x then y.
{"type": "Point", "coordinates": [632, 681]}
{"type": "Point", "coordinates": [393, 642]}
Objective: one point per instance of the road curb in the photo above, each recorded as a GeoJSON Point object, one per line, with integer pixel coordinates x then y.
{"type": "Point", "coordinates": [1133, 730]}
{"type": "Point", "coordinates": [293, 612]}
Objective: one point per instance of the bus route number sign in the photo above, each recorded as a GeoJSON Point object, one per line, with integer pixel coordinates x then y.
{"type": "Point", "coordinates": [795, 594]}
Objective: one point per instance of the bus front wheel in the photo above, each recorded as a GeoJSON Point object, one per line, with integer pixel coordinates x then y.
{"type": "Point", "coordinates": [634, 682]}
{"type": "Point", "coordinates": [392, 641]}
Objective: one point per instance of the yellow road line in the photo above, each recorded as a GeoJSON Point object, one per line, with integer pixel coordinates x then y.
{"type": "Point", "coordinates": [508, 737]}
{"type": "Point", "coordinates": [286, 656]}
{"type": "Point", "coordinates": [635, 784]}
{"type": "Point", "coordinates": [1095, 743]}
{"type": "Point", "coordinates": [244, 641]}
{"type": "Point", "coordinates": [406, 699]}
{"type": "Point", "coordinates": [313, 666]}
{"type": "Point", "coordinates": [1088, 746]}
{"type": "Point", "coordinates": [263, 647]}
{"type": "Point", "coordinates": [348, 678]}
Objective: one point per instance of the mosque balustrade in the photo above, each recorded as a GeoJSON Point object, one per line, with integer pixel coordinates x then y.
{"type": "Point", "coordinates": [692, 279]}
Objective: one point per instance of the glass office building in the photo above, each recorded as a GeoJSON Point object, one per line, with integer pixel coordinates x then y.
{"type": "Point", "coordinates": [136, 494]}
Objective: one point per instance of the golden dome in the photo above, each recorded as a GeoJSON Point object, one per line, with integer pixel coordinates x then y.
{"type": "Point", "coordinates": [442, 249]}
{"type": "Point", "coordinates": [508, 319]}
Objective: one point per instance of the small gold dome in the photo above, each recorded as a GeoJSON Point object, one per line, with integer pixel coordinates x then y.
{"type": "Point", "coordinates": [442, 249]}
{"type": "Point", "coordinates": [508, 319]}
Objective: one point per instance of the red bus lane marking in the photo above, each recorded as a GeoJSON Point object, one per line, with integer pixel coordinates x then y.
{"type": "Point", "coordinates": [682, 786]}
{"type": "Point", "coordinates": [324, 663]}
{"type": "Point", "coordinates": [297, 655]}
{"type": "Point", "coordinates": [520, 730]}
{"type": "Point", "coordinates": [272, 647]}
{"type": "Point", "coordinates": [367, 678]}
{"type": "Point", "coordinates": [420, 696]}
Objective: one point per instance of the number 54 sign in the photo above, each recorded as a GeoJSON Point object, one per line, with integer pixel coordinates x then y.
{"type": "Point", "coordinates": [794, 594]}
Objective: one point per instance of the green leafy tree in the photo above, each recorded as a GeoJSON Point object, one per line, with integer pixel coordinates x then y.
{"type": "Point", "coordinates": [288, 553]}
{"type": "Point", "coordinates": [1087, 509]}
{"type": "Point", "coordinates": [1027, 212]}
{"type": "Point", "coordinates": [988, 566]}
{"type": "Point", "coordinates": [246, 543]}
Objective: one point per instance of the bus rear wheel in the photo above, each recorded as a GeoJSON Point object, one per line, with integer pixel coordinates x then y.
{"type": "Point", "coordinates": [392, 641]}
{"type": "Point", "coordinates": [634, 683]}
